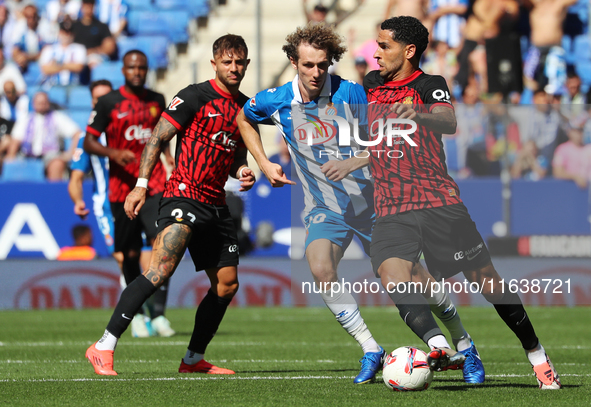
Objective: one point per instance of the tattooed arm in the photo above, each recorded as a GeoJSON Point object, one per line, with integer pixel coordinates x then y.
{"type": "Point", "coordinates": [163, 132]}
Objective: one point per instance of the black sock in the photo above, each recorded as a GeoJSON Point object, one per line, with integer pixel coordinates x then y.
{"type": "Point", "coordinates": [131, 268]}
{"type": "Point", "coordinates": [511, 310]}
{"type": "Point", "coordinates": [129, 304]}
{"type": "Point", "coordinates": [207, 320]}
{"type": "Point", "coordinates": [416, 312]}
{"type": "Point", "coordinates": [159, 300]}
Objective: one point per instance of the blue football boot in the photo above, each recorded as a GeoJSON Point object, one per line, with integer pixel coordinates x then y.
{"type": "Point", "coordinates": [371, 363]}
{"type": "Point", "coordinates": [473, 369]}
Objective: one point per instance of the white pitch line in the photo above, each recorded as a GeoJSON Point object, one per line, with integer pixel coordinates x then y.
{"type": "Point", "coordinates": [265, 344]}
{"type": "Point", "coordinates": [15, 361]}
{"type": "Point", "coordinates": [159, 379]}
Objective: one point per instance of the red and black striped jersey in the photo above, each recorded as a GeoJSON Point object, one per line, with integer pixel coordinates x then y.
{"type": "Point", "coordinates": [407, 177]}
{"type": "Point", "coordinates": [127, 121]}
{"type": "Point", "coordinates": [208, 137]}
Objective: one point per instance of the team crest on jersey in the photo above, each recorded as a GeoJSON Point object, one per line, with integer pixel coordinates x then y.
{"type": "Point", "coordinates": [175, 102]}
{"type": "Point", "coordinates": [252, 102]}
{"type": "Point", "coordinates": [452, 192]}
{"type": "Point", "coordinates": [153, 111]}
{"type": "Point", "coordinates": [407, 100]}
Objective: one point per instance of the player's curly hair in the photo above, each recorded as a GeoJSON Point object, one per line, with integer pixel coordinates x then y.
{"type": "Point", "coordinates": [320, 36]}
{"type": "Point", "coordinates": [230, 42]}
{"type": "Point", "coordinates": [408, 30]}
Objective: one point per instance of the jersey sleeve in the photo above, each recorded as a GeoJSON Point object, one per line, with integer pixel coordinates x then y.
{"type": "Point", "coordinates": [358, 102]}
{"type": "Point", "coordinates": [182, 108]}
{"type": "Point", "coordinates": [80, 159]}
{"type": "Point", "coordinates": [436, 92]}
{"type": "Point", "coordinates": [257, 108]}
{"type": "Point", "coordinates": [99, 118]}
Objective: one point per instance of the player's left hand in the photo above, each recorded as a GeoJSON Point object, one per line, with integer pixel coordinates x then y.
{"type": "Point", "coordinates": [336, 170]}
{"type": "Point", "coordinates": [404, 111]}
{"type": "Point", "coordinates": [247, 179]}
{"type": "Point", "coordinates": [134, 202]}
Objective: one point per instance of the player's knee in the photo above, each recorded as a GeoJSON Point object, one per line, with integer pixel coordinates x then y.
{"type": "Point", "coordinates": [227, 289]}
{"type": "Point", "coordinates": [323, 272]}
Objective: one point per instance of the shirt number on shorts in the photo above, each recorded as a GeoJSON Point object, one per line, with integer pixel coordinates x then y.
{"type": "Point", "coordinates": [178, 215]}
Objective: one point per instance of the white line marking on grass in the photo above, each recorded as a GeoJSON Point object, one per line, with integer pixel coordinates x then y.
{"type": "Point", "coordinates": [13, 361]}
{"type": "Point", "coordinates": [201, 378]}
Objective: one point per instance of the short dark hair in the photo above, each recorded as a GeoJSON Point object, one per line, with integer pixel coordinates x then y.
{"type": "Point", "coordinates": [66, 26]}
{"type": "Point", "coordinates": [134, 51]}
{"type": "Point", "coordinates": [408, 30]}
{"type": "Point", "coordinates": [320, 8]}
{"type": "Point", "coordinates": [229, 42]}
{"type": "Point", "coordinates": [89, 2]}
{"type": "Point", "coordinates": [80, 230]}
{"type": "Point", "coordinates": [100, 82]}
{"type": "Point", "coordinates": [320, 36]}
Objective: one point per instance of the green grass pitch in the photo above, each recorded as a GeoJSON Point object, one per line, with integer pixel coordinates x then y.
{"type": "Point", "coordinates": [282, 356]}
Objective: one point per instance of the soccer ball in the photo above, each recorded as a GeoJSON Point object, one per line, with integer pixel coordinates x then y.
{"type": "Point", "coordinates": [406, 369]}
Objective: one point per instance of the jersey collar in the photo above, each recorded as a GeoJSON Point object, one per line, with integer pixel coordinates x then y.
{"type": "Point", "coordinates": [325, 93]}
{"type": "Point", "coordinates": [406, 80]}
{"type": "Point", "coordinates": [132, 95]}
{"type": "Point", "coordinates": [220, 91]}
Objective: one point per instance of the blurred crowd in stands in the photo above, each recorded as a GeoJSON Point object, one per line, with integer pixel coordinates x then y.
{"type": "Point", "coordinates": [519, 72]}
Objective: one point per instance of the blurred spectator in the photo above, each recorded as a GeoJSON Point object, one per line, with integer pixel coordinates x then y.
{"type": "Point", "coordinates": [529, 164]}
{"type": "Point", "coordinates": [573, 99]}
{"type": "Point", "coordinates": [61, 63]}
{"type": "Point", "coordinates": [30, 37]}
{"type": "Point", "coordinates": [446, 17]}
{"type": "Point", "coordinates": [540, 123]}
{"type": "Point", "coordinates": [16, 7]}
{"type": "Point", "coordinates": [367, 49]}
{"type": "Point", "coordinates": [572, 160]}
{"type": "Point", "coordinates": [440, 60]}
{"type": "Point", "coordinates": [42, 134]}
{"type": "Point", "coordinates": [10, 72]}
{"type": "Point", "coordinates": [545, 63]}
{"type": "Point", "coordinates": [94, 35]}
{"type": "Point", "coordinates": [469, 142]}
{"type": "Point", "coordinates": [59, 11]}
{"type": "Point", "coordinates": [7, 24]}
{"type": "Point", "coordinates": [114, 14]}
{"type": "Point", "coordinates": [82, 249]}
{"type": "Point", "coordinates": [318, 13]}
{"type": "Point", "coordinates": [360, 69]}
{"type": "Point", "coordinates": [13, 106]}
{"type": "Point", "coordinates": [413, 8]}
{"type": "Point", "coordinates": [282, 157]}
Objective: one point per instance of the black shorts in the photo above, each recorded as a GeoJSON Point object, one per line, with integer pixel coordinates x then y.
{"type": "Point", "coordinates": [446, 235]}
{"type": "Point", "coordinates": [128, 233]}
{"type": "Point", "coordinates": [214, 242]}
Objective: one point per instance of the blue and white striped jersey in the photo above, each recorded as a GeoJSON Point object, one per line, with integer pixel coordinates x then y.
{"type": "Point", "coordinates": [82, 161]}
{"type": "Point", "coordinates": [297, 121]}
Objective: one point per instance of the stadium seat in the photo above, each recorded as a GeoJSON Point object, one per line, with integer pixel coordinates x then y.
{"type": "Point", "coordinates": [196, 8]}
{"type": "Point", "coordinates": [582, 48]}
{"type": "Point", "coordinates": [110, 71]}
{"type": "Point", "coordinates": [154, 46]}
{"type": "Point", "coordinates": [25, 169]}
{"type": "Point", "coordinates": [173, 24]}
{"type": "Point", "coordinates": [583, 68]}
{"type": "Point", "coordinates": [80, 116]}
{"type": "Point", "coordinates": [33, 74]}
{"type": "Point", "coordinates": [140, 4]}
{"type": "Point", "coordinates": [79, 97]}
{"type": "Point", "coordinates": [59, 95]}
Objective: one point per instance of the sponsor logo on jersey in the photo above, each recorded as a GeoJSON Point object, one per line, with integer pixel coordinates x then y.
{"type": "Point", "coordinates": [252, 102]}
{"type": "Point", "coordinates": [137, 132]}
{"type": "Point", "coordinates": [224, 139]}
{"type": "Point", "coordinates": [175, 102]}
{"type": "Point", "coordinates": [315, 131]}
{"type": "Point", "coordinates": [153, 111]}
{"type": "Point", "coordinates": [92, 116]}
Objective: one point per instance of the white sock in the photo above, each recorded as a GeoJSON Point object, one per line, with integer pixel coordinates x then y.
{"type": "Point", "coordinates": [438, 341]}
{"type": "Point", "coordinates": [537, 355]}
{"type": "Point", "coordinates": [345, 309]}
{"type": "Point", "coordinates": [191, 357]}
{"type": "Point", "coordinates": [107, 342]}
{"type": "Point", "coordinates": [444, 309]}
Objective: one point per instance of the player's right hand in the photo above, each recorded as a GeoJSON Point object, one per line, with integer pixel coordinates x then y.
{"type": "Point", "coordinates": [80, 210]}
{"type": "Point", "coordinates": [275, 175]}
{"type": "Point", "coordinates": [122, 157]}
{"type": "Point", "coordinates": [134, 202]}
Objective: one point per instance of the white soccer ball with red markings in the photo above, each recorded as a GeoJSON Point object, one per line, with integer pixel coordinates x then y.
{"type": "Point", "coordinates": [406, 369]}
